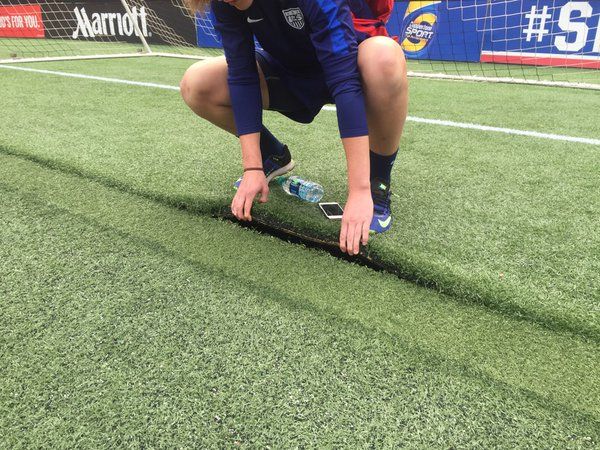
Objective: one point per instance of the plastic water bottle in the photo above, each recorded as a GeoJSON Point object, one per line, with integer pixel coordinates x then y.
{"type": "Point", "coordinates": [303, 189]}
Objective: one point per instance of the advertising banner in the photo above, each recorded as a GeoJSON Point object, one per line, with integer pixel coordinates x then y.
{"type": "Point", "coordinates": [425, 29]}
{"type": "Point", "coordinates": [432, 30]}
{"type": "Point", "coordinates": [206, 34]}
{"type": "Point", "coordinates": [544, 32]}
{"type": "Point", "coordinates": [21, 21]}
{"type": "Point", "coordinates": [538, 32]}
{"type": "Point", "coordinates": [105, 20]}
{"type": "Point", "coordinates": [108, 19]}
{"type": "Point", "coordinates": [159, 21]}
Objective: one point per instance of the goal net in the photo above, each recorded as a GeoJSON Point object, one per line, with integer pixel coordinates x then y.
{"type": "Point", "coordinates": [554, 42]}
{"type": "Point", "coordinates": [71, 29]}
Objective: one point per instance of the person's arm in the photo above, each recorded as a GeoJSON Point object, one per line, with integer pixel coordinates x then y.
{"type": "Point", "coordinates": [246, 101]}
{"type": "Point", "coordinates": [358, 210]}
{"type": "Point", "coordinates": [242, 74]}
{"type": "Point", "coordinates": [333, 36]}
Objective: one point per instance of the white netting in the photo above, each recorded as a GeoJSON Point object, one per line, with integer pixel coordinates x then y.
{"type": "Point", "coordinates": [556, 41]}
{"type": "Point", "coordinates": [203, 21]}
{"type": "Point", "coordinates": [536, 40]}
{"type": "Point", "coordinates": [72, 28]}
{"type": "Point", "coordinates": [502, 19]}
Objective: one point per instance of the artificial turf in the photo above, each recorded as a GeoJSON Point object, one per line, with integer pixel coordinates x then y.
{"type": "Point", "coordinates": [127, 322]}
{"type": "Point", "coordinates": [505, 221]}
{"type": "Point", "coordinates": [13, 48]}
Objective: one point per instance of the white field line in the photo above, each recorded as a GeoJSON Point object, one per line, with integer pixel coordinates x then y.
{"type": "Point", "coordinates": [90, 77]}
{"type": "Point", "coordinates": [445, 123]}
{"type": "Point", "coordinates": [534, 134]}
{"type": "Point", "coordinates": [474, 126]}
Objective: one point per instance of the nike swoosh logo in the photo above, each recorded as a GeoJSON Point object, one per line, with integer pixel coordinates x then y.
{"type": "Point", "coordinates": [254, 20]}
{"type": "Point", "coordinates": [385, 222]}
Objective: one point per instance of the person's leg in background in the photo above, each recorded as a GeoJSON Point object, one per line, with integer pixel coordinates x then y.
{"type": "Point", "coordinates": [383, 71]}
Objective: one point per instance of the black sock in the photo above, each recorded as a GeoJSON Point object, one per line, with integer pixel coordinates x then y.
{"type": "Point", "coordinates": [269, 144]}
{"type": "Point", "coordinates": [381, 165]}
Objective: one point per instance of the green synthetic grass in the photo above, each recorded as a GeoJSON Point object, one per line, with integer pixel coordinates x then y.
{"type": "Point", "coordinates": [541, 109]}
{"type": "Point", "coordinates": [505, 221]}
{"type": "Point", "coordinates": [125, 322]}
{"type": "Point", "coordinates": [542, 73]}
{"type": "Point", "coordinates": [41, 48]}
{"type": "Point", "coordinates": [48, 48]}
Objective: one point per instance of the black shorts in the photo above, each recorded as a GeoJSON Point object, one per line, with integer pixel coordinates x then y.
{"type": "Point", "coordinates": [298, 97]}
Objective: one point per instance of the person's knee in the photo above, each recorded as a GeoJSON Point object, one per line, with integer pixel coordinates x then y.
{"type": "Point", "coordinates": [194, 85]}
{"type": "Point", "coordinates": [200, 85]}
{"type": "Point", "coordinates": [382, 66]}
{"type": "Point", "coordinates": [185, 86]}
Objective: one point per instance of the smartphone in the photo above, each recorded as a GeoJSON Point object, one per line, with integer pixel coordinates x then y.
{"type": "Point", "coordinates": [332, 210]}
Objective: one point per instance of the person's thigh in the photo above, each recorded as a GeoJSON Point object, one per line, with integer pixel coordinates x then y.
{"type": "Point", "coordinates": [206, 82]}
{"type": "Point", "coordinates": [299, 98]}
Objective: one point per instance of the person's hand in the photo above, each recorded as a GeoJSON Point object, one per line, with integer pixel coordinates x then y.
{"type": "Point", "coordinates": [253, 183]}
{"type": "Point", "coordinates": [356, 221]}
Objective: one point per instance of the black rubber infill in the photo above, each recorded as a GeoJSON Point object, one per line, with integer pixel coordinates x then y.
{"type": "Point", "coordinates": [294, 237]}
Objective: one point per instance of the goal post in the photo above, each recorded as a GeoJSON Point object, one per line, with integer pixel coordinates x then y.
{"type": "Point", "coordinates": [136, 26]}
{"type": "Point", "coordinates": [543, 42]}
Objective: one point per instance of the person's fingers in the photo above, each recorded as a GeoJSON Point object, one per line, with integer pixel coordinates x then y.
{"type": "Point", "coordinates": [343, 233]}
{"type": "Point", "coordinates": [356, 241]}
{"type": "Point", "coordinates": [264, 194]}
{"type": "Point", "coordinates": [235, 209]}
{"type": "Point", "coordinates": [365, 232]}
{"type": "Point", "coordinates": [248, 208]}
{"type": "Point", "coordinates": [350, 238]}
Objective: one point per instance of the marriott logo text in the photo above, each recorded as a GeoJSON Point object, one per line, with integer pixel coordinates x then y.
{"type": "Point", "coordinates": [110, 24]}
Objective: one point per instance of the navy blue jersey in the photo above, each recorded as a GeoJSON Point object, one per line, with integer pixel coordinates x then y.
{"type": "Point", "coordinates": [308, 38]}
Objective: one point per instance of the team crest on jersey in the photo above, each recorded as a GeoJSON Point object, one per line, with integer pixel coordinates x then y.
{"type": "Point", "coordinates": [294, 18]}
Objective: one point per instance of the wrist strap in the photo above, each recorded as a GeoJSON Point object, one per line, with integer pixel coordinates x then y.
{"type": "Point", "coordinates": [252, 168]}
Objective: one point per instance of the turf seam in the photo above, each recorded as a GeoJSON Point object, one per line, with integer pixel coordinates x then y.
{"type": "Point", "coordinates": [449, 366]}
{"type": "Point", "coordinates": [215, 209]}
{"type": "Point", "coordinates": [368, 259]}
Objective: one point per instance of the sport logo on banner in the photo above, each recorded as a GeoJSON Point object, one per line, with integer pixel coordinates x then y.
{"type": "Point", "coordinates": [21, 21]}
{"type": "Point", "coordinates": [419, 26]}
{"type": "Point", "coordinates": [294, 18]}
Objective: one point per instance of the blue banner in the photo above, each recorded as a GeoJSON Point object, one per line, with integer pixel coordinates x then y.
{"type": "Point", "coordinates": [207, 36]}
{"type": "Point", "coordinates": [432, 30]}
{"type": "Point", "coordinates": [542, 32]}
